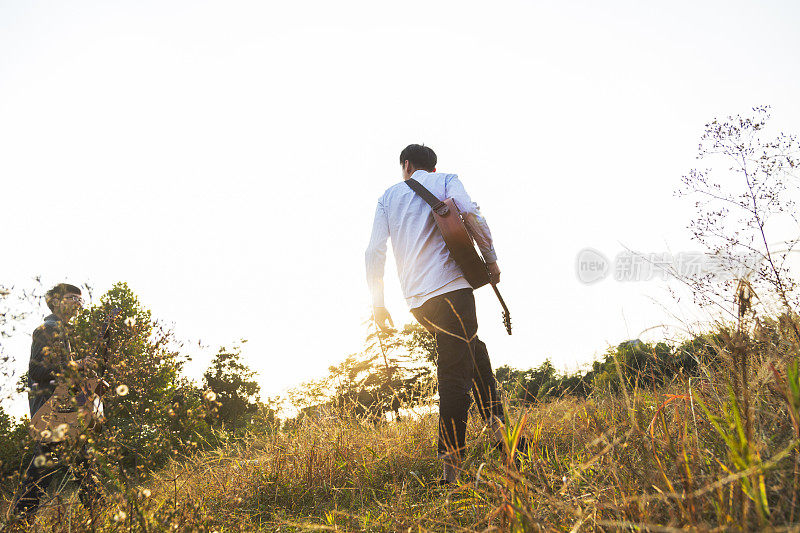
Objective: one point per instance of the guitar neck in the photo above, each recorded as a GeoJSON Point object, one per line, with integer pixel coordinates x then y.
{"type": "Point", "coordinates": [499, 297]}
{"type": "Point", "coordinates": [506, 313]}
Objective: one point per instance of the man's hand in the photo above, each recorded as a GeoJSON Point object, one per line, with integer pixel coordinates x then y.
{"type": "Point", "coordinates": [494, 272]}
{"type": "Point", "coordinates": [381, 315]}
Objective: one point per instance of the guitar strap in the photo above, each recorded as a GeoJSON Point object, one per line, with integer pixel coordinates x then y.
{"type": "Point", "coordinates": [441, 209]}
{"type": "Point", "coordinates": [437, 205]}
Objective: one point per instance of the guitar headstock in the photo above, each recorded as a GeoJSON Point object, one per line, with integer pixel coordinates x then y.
{"type": "Point", "coordinates": [506, 313]}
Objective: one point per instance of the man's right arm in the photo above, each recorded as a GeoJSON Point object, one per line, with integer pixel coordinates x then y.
{"type": "Point", "coordinates": [41, 368]}
{"type": "Point", "coordinates": [44, 365]}
{"type": "Point", "coordinates": [476, 224]}
{"type": "Point", "coordinates": [472, 216]}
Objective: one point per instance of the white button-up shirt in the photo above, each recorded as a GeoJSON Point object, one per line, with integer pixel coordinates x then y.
{"type": "Point", "coordinates": [424, 263]}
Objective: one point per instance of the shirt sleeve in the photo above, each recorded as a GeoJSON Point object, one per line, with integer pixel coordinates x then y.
{"type": "Point", "coordinates": [376, 255]}
{"type": "Point", "coordinates": [41, 368]}
{"type": "Point", "coordinates": [472, 216]}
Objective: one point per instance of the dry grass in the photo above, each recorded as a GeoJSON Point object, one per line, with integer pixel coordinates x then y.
{"type": "Point", "coordinates": [656, 463]}
{"type": "Point", "coordinates": [716, 453]}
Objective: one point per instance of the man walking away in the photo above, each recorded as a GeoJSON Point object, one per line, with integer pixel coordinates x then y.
{"type": "Point", "coordinates": [439, 296]}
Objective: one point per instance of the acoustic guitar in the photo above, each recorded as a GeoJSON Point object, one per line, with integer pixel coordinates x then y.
{"type": "Point", "coordinates": [71, 410]}
{"type": "Point", "coordinates": [460, 243]}
{"type": "Point", "coordinates": [75, 405]}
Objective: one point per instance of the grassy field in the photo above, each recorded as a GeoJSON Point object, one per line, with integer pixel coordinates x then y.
{"type": "Point", "coordinates": [686, 455]}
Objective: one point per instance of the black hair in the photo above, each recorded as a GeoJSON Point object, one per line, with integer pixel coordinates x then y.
{"type": "Point", "coordinates": [56, 293]}
{"type": "Point", "coordinates": [420, 156]}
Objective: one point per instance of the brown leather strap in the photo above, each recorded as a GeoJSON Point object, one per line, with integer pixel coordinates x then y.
{"type": "Point", "coordinates": [437, 205]}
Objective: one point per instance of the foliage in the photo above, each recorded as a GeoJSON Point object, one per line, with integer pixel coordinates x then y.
{"type": "Point", "coordinates": [152, 412]}
{"type": "Point", "coordinates": [532, 384]}
{"type": "Point", "coordinates": [14, 443]}
{"type": "Point", "coordinates": [643, 363]}
{"type": "Point", "coordinates": [394, 371]}
{"type": "Point", "coordinates": [639, 363]}
{"type": "Point", "coordinates": [670, 457]}
{"type": "Point", "coordinates": [233, 386]}
{"type": "Point", "coordinates": [750, 183]}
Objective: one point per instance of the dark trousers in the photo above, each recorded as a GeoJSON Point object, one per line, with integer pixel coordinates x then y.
{"type": "Point", "coordinates": [463, 365]}
{"type": "Point", "coordinates": [48, 462]}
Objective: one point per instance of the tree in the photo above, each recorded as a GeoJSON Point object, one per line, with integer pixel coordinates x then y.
{"type": "Point", "coordinates": [539, 383]}
{"type": "Point", "coordinates": [233, 386]}
{"type": "Point", "coordinates": [744, 198]}
{"type": "Point", "coordinates": [152, 412]}
{"type": "Point", "coordinates": [527, 385]}
{"type": "Point", "coordinates": [394, 370]}
{"type": "Point", "coordinates": [750, 184]}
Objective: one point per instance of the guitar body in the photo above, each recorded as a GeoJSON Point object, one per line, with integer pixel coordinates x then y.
{"type": "Point", "coordinates": [67, 413]}
{"type": "Point", "coordinates": [461, 246]}
{"type": "Point", "coordinates": [74, 407]}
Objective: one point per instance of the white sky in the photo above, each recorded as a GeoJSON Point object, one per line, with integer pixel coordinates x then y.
{"type": "Point", "coordinates": [224, 158]}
